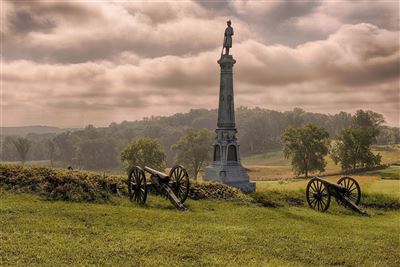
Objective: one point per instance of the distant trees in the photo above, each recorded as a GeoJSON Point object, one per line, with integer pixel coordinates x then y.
{"type": "Point", "coordinates": [352, 147]}
{"type": "Point", "coordinates": [97, 154]}
{"type": "Point", "coordinates": [144, 152]}
{"type": "Point", "coordinates": [306, 147]}
{"type": "Point", "coordinates": [51, 151]}
{"type": "Point", "coordinates": [66, 144]}
{"type": "Point", "coordinates": [194, 149]}
{"type": "Point", "coordinates": [22, 146]}
{"type": "Point", "coordinates": [260, 131]}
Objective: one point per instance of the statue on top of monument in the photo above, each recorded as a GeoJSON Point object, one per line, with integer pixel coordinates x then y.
{"type": "Point", "coordinates": [228, 38]}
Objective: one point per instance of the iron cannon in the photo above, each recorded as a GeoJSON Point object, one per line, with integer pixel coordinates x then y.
{"type": "Point", "coordinates": [346, 191]}
{"type": "Point", "coordinates": [174, 186]}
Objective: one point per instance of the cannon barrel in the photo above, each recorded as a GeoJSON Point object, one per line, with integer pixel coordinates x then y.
{"type": "Point", "coordinates": [160, 175]}
{"type": "Point", "coordinates": [328, 183]}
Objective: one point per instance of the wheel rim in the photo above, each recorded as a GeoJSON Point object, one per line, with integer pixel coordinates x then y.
{"type": "Point", "coordinates": [318, 196]}
{"type": "Point", "coordinates": [353, 191]}
{"type": "Point", "coordinates": [180, 182]}
{"type": "Point", "coordinates": [137, 187]}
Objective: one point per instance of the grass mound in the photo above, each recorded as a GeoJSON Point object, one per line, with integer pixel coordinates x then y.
{"type": "Point", "coordinates": [61, 184]}
{"type": "Point", "coordinates": [84, 186]}
{"type": "Point", "coordinates": [212, 190]}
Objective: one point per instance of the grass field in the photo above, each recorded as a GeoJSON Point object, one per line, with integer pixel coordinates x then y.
{"type": "Point", "coordinates": [212, 233]}
{"type": "Point", "coordinates": [38, 232]}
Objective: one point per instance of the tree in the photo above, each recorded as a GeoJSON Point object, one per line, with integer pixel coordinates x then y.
{"type": "Point", "coordinates": [194, 149]}
{"type": "Point", "coordinates": [22, 145]}
{"type": "Point", "coordinates": [97, 154]}
{"type": "Point", "coordinates": [367, 119]}
{"type": "Point", "coordinates": [352, 147]}
{"type": "Point", "coordinates": [306, 147]}
{"type": "Point", "coordinates": [144, 152]}
{"type": "Point", "coordinates": [65, 143]}
{"type": "Point", "coordinates": [51, 150]}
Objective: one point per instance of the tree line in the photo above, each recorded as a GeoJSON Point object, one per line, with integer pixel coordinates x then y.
{"type": "Point", "coordinates": [260, 131]}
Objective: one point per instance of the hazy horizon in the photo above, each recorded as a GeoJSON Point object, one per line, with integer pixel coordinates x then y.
{"type": "Point", "coordinates": [70, 64]}
{"type": "Point", "coordinates": [107, 124]}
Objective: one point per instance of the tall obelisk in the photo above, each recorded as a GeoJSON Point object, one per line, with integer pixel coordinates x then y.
{"type": "Point", "coordinates": [226, 166]}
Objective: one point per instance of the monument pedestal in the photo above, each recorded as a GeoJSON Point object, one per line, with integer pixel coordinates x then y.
{"type": "Point", "coordinates": [231, 174]}
{"type": "Point", "coordinates": [226, 167]}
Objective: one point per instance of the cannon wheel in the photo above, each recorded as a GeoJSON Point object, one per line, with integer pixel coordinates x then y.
{"type": "Point", "coordinates": [318, 196]}
{"type": "Point", "coordinates": [180, 182]}
{"type": "Point", "coordinates": [353, 189]}
{"type": "Point", "coordinates": [137, 187]}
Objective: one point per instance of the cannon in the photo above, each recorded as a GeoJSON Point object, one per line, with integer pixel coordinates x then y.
{"type": "Point", "coordinates": [346, 191]}
{"type": "Point", "coordinates": [174, 186]}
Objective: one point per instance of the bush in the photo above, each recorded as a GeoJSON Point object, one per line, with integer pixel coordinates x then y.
{"type": "Point", "coordinates": [61, 184]}
{"type": "Point", "coordinates": [213, 190]}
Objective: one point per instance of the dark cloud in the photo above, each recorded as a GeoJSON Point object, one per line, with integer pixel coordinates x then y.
{"type": "Point", "coordinates": [70, 64]}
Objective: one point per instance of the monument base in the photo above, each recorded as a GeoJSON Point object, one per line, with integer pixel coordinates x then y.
{"type": "Point", "coordinates": [230, 174]}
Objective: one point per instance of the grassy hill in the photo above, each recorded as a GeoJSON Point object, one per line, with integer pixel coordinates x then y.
{"type": "Point", "coordinates": [37, 232]}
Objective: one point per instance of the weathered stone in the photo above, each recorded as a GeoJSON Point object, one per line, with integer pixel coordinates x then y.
{"type": "Point", "coordinates": [226, 166]}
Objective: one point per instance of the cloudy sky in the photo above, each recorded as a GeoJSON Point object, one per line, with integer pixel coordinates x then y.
{"type": "Point", "coordinates": [73, 63]}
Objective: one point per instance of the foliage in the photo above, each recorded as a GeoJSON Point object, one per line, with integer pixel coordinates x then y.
{"type": "Point", "coordinates": [306, 147]}
{"type": "Point", "coordinates": [22, 146]}
{"type": "Point", "coordinates": [193, 150]}
{"type": "Point", "coordinates": [51, 146]}
{"type": "Point", "coordinates": [65, 143]}
{"type": "Point", "coordinates": [61, 184]}
{"type": "Point", "coordinates": [97, 154]}
{"type": "Point", "coordinates": [353, 145]}
{"type": "Point", "coordinates": [368, 119]}
{"type": "Point", "coordinates": [213, 190]}
{"type": "Point", "coordinates": [144, 152]}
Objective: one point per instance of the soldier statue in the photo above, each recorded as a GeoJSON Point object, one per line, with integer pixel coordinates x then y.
{"type": "Point", "coordinates": [228, 38]}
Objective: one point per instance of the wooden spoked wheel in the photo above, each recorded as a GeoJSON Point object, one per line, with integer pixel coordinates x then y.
{"type": "Point", "coordinates": [137, 187]}
{"type": "Point", "coordinates": [318, 195]}
{"type": "Point", "coordinates": [180, 182]}
{"type": "Point", "coordinates": [353, 191]}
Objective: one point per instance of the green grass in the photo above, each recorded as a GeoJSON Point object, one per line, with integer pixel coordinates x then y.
{"type": "Point", "coordinates": [369, 184]}
{"type": "Point", "coordinates": [392, 173]}
{"type": "Point", "coordinates": [278, 230]}
{"type": "Point", "coordinates": [212, 233]}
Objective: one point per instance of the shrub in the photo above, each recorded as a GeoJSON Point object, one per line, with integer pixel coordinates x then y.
{"type": "Point", "coordinates": [61, 184]}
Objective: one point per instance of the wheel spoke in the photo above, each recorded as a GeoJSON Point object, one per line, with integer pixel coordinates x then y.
{"type": "Point", "coordinates": [312, 186]}
{"type": "Point", "coordinates": [315, 203]}
{"type": "Point", "coordinates": [313, 200]}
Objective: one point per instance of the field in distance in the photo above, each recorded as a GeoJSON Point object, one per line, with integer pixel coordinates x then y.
{"type": "Point", "coordinates": [274, 166]}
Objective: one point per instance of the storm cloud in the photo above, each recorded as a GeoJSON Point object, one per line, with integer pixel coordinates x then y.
{"type": "Point", "coordinates": [71, 63]}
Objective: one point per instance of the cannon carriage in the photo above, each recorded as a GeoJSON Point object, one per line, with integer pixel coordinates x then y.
{"type": "Point", "coordinates": [346, 191]}
{"type": "Point", "coordinates": [174, 186]}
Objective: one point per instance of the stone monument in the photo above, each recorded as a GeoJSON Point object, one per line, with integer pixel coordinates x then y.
{"type": "Point", "coordinates": [226, 166]}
